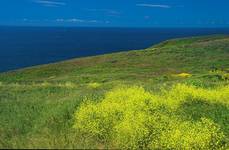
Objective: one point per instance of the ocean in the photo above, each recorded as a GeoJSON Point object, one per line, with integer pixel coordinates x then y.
{"type": "Point", "coordinates": [29, 46]}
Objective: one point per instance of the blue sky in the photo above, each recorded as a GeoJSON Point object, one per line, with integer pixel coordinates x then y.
{"type": "Point", "coordinates": [115, 13]}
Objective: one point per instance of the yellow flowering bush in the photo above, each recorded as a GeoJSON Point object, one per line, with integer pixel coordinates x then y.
{"type": "Point", "coordinates": [181, 92]}
{"type": "Point", "coordinates": [94, 85]}
{"type": "Point", "coordinates": [220, 74]}
{"type": "Point", "coordinates": [69, 85]}
{"type": "Point", "coordinates": [183, 75]}
{"type": "Point", "coordinates": [203, 134]}
{"type": "Point", "coordinates": [45, 84]}
{"type": "Point", "coordinates": [132, 118]}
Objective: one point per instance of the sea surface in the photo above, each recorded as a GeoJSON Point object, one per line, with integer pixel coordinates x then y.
{"type": "Point", "coordinates": [28, 46]}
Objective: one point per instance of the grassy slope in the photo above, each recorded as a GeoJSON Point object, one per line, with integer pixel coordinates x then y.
{"type": "Point", "coordinates": [36, 104]}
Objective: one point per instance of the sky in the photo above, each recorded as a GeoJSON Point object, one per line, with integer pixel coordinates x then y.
{"type": "Point", "coordinates": [115, 13]}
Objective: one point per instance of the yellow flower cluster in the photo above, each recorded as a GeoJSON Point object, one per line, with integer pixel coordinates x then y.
{"type": "Point", "coordinates": [183, 75]}
{"type": "Point", "coordinates": [94, 85]}
{"type": "Point", "coordinates": [132, 118]}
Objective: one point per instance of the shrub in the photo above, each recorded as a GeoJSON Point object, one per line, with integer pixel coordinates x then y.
{"type": "Point", "coordinates": [219, 74]}
{"type": "Point", "coordinates": [133, 118]}
{"type": "Point", "coordinates": [94, 85]}
{"type": "Point", "coordinates": [181, 92]}
{"type": "Point", "coordinates": [203, 134]}
{"type": "Point", "coordinates": [69, 85]}
{"type": "Point", "coordinates": [183, 75]}
{"type": "Point", "coordinates": [45, 84]}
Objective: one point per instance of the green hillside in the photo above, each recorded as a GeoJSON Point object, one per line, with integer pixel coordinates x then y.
{"type": "Point", "coordinates": [174, 95]}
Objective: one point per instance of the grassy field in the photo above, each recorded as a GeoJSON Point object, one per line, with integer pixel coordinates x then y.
{"type": "Point", "coordinates": [174, 95]}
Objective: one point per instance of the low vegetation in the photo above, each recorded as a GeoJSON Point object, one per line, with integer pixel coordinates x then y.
{"type": "Point", "coordinates": [174, 95]}
{"type": "Point", "coordinates": [185, 117]}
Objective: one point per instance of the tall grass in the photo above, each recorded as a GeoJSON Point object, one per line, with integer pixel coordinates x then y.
{"type": "Point", "coordinates": [184, 117]}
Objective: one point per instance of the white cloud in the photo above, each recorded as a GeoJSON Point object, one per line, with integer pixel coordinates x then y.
{"type": "Point", "coordinates": [107, 22]}
{"type": "Point", "coordinates": [153, 6]}
{"type": "Point", "coordinates": [93, 21]}
{"type": "Point", "coordinates": [147, 17]}
{"type": "Point", "coordinates": [107, 11]}
{"type": "Point", "coordinates": [59, 20]}
{"type": "Point", "coordinates": [50, 3]}
{"type": "Point", "coordinates": [75, 20]}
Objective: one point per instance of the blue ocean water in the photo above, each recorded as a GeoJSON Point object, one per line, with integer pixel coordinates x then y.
{"type": "Point", "coordinates": [28, 46]}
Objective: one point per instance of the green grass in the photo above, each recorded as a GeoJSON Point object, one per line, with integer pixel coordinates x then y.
{"type": "Point", "coordinates": [38, 104]}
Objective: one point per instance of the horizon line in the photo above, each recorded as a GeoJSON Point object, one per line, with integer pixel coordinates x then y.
{"type": "Point", "coordinates": [69, 26]}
